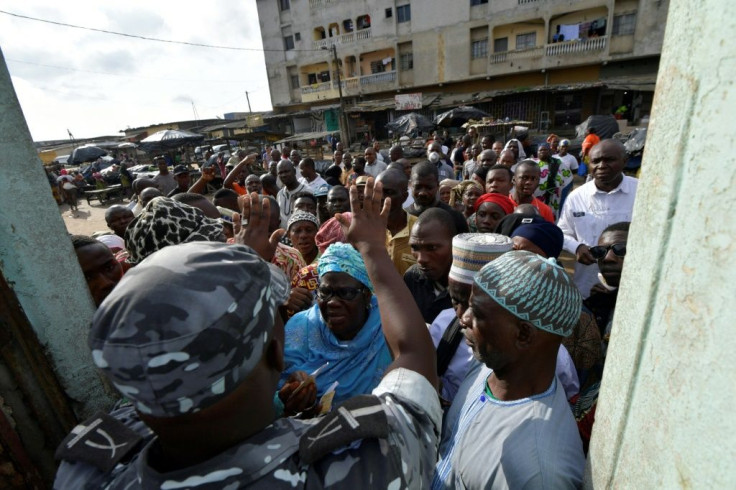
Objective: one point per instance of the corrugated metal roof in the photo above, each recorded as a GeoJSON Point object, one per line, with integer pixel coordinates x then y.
{"type": "Point", "coordinates": [306, 136]}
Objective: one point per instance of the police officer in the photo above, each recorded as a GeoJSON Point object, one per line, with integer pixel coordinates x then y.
{"type": "Point", "coordinates": [201, 367]}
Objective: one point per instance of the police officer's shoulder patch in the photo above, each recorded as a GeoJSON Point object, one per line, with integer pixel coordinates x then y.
{"type": "Point", "coordinates": [101, 440]}
{"type": "Point", "coordinates": [361, 417]}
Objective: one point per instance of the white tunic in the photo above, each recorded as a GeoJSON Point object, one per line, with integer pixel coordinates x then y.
{"type": "Point", "coordinates": [528, 443]}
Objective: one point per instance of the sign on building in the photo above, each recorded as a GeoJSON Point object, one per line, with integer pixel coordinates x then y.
{"type": "Point", "coordinates": [408, 102]}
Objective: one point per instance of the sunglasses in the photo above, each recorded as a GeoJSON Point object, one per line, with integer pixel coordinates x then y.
{"type": "Point", "coordinates": [619, 250]}
{"type": "Point", "coordinates": [324, 293]}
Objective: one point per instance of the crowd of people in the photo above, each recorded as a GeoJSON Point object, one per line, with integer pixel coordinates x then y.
{"type": "Point", "coordinates": [265, 338]}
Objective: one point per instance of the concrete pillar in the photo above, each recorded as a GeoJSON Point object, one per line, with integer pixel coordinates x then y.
{"type": "Point", "coordinates": [665, 417]}
{"type": "Point", "coordinates": [38, 261]}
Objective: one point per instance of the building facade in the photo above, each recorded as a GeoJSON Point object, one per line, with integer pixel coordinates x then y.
{"type": "Point", "coordinates": [552, 62]}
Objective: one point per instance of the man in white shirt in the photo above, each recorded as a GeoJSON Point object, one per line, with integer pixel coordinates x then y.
{"type": "Point", "coordinates": [310, 177]}
{"type": "Point", "coordinates": [373, 167]}
{"type": "Point", "coordinates": [589, 209]}
{"type": "Point", "coordinates": [510, 425]}
{"type": "Point", "coordinates": [287, 175]}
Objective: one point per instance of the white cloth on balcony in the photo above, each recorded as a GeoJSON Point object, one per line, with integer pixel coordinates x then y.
{"type": "Point", "coordinates": [570, 31]}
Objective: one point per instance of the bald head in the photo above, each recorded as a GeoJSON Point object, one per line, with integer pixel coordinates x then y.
{"type": "Point", "coordinates": [147, 194]}
{"type": "Point", "coordinates": [396, 153]}
{"type": "Point", "coordinates": [396, 186]}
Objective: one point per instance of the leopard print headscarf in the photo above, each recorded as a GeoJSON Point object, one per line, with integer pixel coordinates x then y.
{"type": "Point", "coordinates": [165, 222]}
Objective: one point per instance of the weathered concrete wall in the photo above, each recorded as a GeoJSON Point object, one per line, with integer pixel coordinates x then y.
{"type": "Point", "coordinates": [665, 415]}
{"type": "Point", "coordinates": [38, 261]}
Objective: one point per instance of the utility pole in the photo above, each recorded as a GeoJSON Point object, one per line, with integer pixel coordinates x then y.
{"type": "Point", "coordinates": [342, 117]}
{"type": "Point", "coordinates": [248, 99]}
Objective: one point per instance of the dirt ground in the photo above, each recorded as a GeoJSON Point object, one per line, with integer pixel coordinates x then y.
{"type": "Point", "coordinates": [89, 218]}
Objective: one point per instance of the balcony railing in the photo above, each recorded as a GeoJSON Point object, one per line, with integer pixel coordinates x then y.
{"type": "Point", "coordinates": [353, 84]}
{"type": "Point", "coordinates": [376, 78]}
{"type": "Point", "coordinates": [321, 3]}
{"type": "Point", "coordinates": [521, 2]}
{"type": "Point", "coordinates": [316, 87]}
{"type": "Point", "coordinates": [517, 55]}
{"type": "Point", "coordinates": [571, 47]}
{"type": "Point", "coordinates": [556, 49]}
{"type": "Point", "coordinates": [348, 38]}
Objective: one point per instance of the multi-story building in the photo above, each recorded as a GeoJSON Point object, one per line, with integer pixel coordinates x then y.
{"type": "Point", "coordinates": [552, 62]}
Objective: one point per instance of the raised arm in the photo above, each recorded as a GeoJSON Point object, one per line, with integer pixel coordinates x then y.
{"type": "Point", "coordinates": [228, 182]}
{"type": "Point", "coordinates": [200, 186]}
{"type": "Point", "coordinates": [403, 325]}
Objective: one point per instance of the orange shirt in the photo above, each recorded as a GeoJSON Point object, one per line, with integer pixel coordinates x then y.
{"type": "Point", "coordinates": [589, 142]}
{"type": "Point", "coordinates": [544, 210]}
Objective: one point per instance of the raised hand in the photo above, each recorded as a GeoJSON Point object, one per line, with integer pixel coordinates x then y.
{"type": "Point", "coordinates": [369, 222]}
{"type": "Point", "coordinates": [254, 233]}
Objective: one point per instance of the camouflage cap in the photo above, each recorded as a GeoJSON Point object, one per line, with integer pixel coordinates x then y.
{"type": "Point", "coordinates": [184, 328]}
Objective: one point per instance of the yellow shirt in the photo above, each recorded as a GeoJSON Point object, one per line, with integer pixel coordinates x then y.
{"type": "Point", "coordinates": [398, 246]}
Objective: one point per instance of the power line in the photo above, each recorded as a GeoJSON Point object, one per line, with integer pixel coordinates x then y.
{"type": "Point", "coordinates": [135, 36]}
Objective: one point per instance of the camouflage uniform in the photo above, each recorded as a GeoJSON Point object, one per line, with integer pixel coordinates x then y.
{"type": "Point", "coordinates": [197, 356]}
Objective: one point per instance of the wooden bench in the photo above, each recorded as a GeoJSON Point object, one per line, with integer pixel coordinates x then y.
{"type": "Point", "coordinates": [106, 194]}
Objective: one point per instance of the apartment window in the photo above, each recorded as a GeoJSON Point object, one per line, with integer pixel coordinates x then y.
{"type": "Point", "coordinates": [526, 41]}
{"type": "Point", "coordinates": [501, 45]}
{"type": "Point", "coordinates": [297, 36]}
{"type": "Point", "coordinates": [403, 13]}
{"type": "Point", "coordinates": [624, 25]}
{"type": "Point", "coordinates": [294, 82]}
{"type": "Point", "coordinates": [479, 49]}
{"type": "Point", "coordinates": [288, 42]}
{"type": "Point", "coordinates": [389, 13]}
{"type": "Point", "coordinates": [406, 61]}
{"type": "Point", "coordinates": [347, 25]}
{"type": "Point", "coordinates": [284, 4]}
{"type": "Point", "coordinates": [473, 3]}
{"type": "Point", "coordinates": [377, 67]}
{"type": "Point", "coordinates": [479, 42]}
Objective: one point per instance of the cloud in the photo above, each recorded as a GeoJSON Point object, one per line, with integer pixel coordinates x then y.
{"type": "Point", "coordinates": [137, 22]}
{"type": "Point", "coordinates": [118, 61]}
{"type": "Point", "coordinates": [103, 82]}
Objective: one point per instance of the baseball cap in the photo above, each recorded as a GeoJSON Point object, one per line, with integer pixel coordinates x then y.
{"type": "Point", "coordinates": [322, 190]}
{"type": "Point", "coordinates": [362, 180]}
{"type": "Point", "coordinates": [181, 169]}
{"type": "Point", "coordinates": [187, 325]}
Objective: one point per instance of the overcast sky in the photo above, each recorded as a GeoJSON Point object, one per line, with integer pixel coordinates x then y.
{"type": "Point", "coordinates": [98, 84]}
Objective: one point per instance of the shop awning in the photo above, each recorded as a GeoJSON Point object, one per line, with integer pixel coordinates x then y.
{"type": "Point", "coordinates": [307, 136]}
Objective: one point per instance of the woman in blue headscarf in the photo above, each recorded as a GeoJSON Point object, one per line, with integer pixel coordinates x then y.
{"type": "Point", "coordinates": [342, 329]}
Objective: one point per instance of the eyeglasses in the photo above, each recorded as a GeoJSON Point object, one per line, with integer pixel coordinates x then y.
{"type": "Point", "coordinates": [619, 250]}
{"type": "Point", "coordinates": [346, 293]}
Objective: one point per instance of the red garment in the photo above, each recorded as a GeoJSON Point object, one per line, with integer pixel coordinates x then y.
{"type": "Point", "coordinates": [544, 210]}
{"type": "Point", "coordinates": [589, 142]}
{"type": "Point", "coordinates": [239, 189]}
{"type": "Point", "coordinates": [503, 201]}
{"type": "Point", "coordinates": [331, 232]}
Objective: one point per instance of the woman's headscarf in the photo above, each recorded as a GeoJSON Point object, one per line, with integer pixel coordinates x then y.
{"type": "Point", "coordinates": [342, 257]}
{"type": "Point", "coordinates": [165, 222]}
{"type": "Point", "coordinates": [331, 232]}
{"type": "Point", "coordinates": [518, 144]}
{"type": "Point", "coordinates": [503, 202]}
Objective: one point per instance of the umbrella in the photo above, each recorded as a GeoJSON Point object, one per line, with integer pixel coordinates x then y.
{"type": "Point", "coordinates": [169, 139]}
{"type": "Point", "coordinates": [409, 123]}
{"type": "Point", "coordinates": [86, 154]}
{"type": "Point", "coordinates": [459, 115]}
{"type": "Point", "coordinates": [126, 145]}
